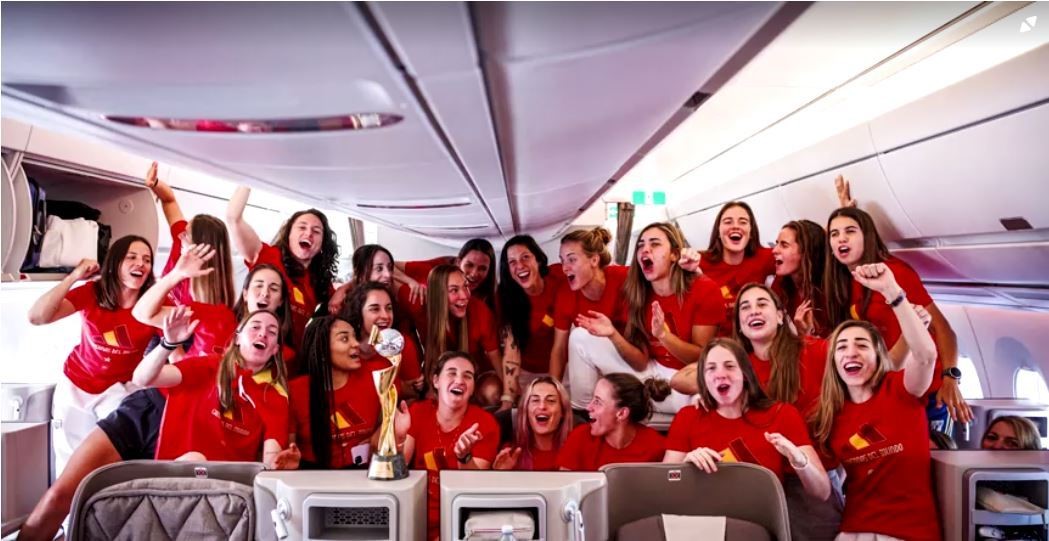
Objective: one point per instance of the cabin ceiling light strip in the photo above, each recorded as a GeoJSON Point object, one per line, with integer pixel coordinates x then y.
{"type": "Point", "coordinates": [356, 121]}
{"type": "Point", "coordinates": [413, 206]}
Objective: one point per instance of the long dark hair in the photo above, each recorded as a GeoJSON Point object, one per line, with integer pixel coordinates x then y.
{"type": "Point", "coordinates": [316, 349]}
{"type": "Point", "coordinates": [716, 250]}
{"type": "Point", "coordinates": [812, 247]}
{"type": "Point", "coordinates": [354, 311]}
{"type": "Point", "coordinates": [363, 260]}
{"type": "Point", "coordinates": [837, 279]}
{"type": "Point", "coordinates": [487, 288]}
{"type": "Point", "coordinates": [784, 353]}
{"type": "Point", "coordinates": [283, 312]}
{"type": "Point", "coordinates": [322, 267]}
{"type": "Point", "coordinates": [515, 308]}
{"type": "Point", "coordinates": [107, 288]}
{"type": "Point", "coordinates": [754, 396]}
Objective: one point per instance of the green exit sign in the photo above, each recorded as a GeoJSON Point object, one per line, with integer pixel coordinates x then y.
{"type": "Point", "coordinates": [640, 197]}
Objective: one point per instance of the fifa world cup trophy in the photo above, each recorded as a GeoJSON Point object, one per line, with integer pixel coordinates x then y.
{"type": "Point", "coordinates": [387, 464]}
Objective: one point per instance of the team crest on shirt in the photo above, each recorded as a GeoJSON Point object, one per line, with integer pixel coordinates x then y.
{"type": "Point", "coordinates": [232, 420]}
{"type": "Point", "coordinates": [436, 460]}
{"type": "Point", "coordinates": [296, 294]}
{"type": "Point", "coordinates": [853, 313]}
{"type": "Point", "coordinates": [866, 436]}
{"type": "Point", "coordinates": [116, 338]}
{"type": "Point", "coordinates": [345, 417]}
{"type": "Point", "coordinates": [548, 321]}
{"type": "Point", "coordinates": [737, 451]}
{"type": "Point", "coordinates": [726, 293]}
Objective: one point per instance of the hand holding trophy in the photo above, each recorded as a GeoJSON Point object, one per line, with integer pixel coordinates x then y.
{"type": "Point", "coordinates": [387, 464]}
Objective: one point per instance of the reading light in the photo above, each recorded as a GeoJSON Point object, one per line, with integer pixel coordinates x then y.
{"type": "Point", "coordinates": [357, 121]}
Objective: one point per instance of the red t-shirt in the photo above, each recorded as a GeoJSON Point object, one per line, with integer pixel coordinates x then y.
{"type": "Point", "coordinates": [812, 364]}
{"type": "Point", "coordinates": [356, 417]}
{"type": "Point", "coordinates": [572, 303]}
{"type": "Point", "coordinates": [731, 278]}
{"type": "Point", "coordinates": [536, 357]}
{"type": "Point", "coordinates": [217, 325]}
{"type": "Point", "coordinates": [181, 294]}
{"type": "Point", "coordinates": [702, 306]}
{"type": "Point", "coordinates": [739, 440]}
{"type": "Point", "coordinates": [435, 450]}
{"type": "Point", "coordinates": [112, 342]}
{"type": "Point", "coordinates": [420, 270]}
{"type": "Point", "coordinates": [881, 315]}
{"type": "Point", "coordinates": [303, 299]}
{"type": "Point", "coordinates": [192, 420]}
{"type": "Point", "coordinates": [883, 444]}
{"type": "Point", "coordinates": [481, 332]}
{"type": "Point", "coordinates": [583, 452]}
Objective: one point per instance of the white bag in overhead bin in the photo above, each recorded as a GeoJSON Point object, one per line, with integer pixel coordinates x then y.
{"type": "Point", "coordinates": [68, 241]}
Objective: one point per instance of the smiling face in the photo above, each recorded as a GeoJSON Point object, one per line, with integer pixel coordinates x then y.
{"type": "Point", "coordinates": [723, 376]}
{"type": "Point", "coordinates": [136, 266]}
{"type": "Point", "coordinates": [544, 409]}
{"type": "Point", "coordinates": [855, 356]}
{"type": "Point", "coordinates": [343, 346]}
{"type": "Point", "coordinates": [458, 295]}
{"type": "Point", "coordinates": [455, 383]}
{"type": "Point", "coordinates": [734, 229]}
{"type": "Point", "coordinates": [475, 266]}
{"type": "Point", "coordinates": [382, 269]}
{"type": "Point", "coordinates": [578, 267]}
{"type": "Point", "coordinates": [846, 240]}
{"type": "Point", "coordinates": [305, 236]}
{"type": "Point", "coordinates": [758, 317]}
{"type": "Point", "coordinates": [787, 252]}
{"type": "Point", "coordinates": [524, 268]}
{"type": "Point", "coordinates": [377, 311]}
{"type": "Point", "coordinates": [605, 415]}
{"type": "Point", "coordinates": [264, 291]}
{"type": "Point", "coordinates": [258, 340]}
{"type": "Point", "coordinates": [654, 254]}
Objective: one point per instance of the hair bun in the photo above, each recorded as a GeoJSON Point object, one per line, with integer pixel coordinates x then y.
{"type": "Point", "coordinates": [658, 389]}
{"type": "Point", "coordinates": [601, 234]}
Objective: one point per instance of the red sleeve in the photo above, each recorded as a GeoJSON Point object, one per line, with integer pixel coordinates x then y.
{"type": "Point", "coordinates": [177, 229]}
{"type": "Point", "coordinates": [765, 261]}
{"type": "Point", "coordinates": [197, 370]}
{"type": "Point", "coordinates": [556, 271]}
{"type": "Point", "coordinates": [792, 426]}
{"type": "Point", "coordinates": [409, 369]}
{"type": "Point", "coordinates": [564, 309]}
{"type": "Point", "coordinates": [418, 411]}
{"type": "Point", "coordinates": [709, 305]}
{"type": "Point", "coordinates": [488, 447]}
{"type": "Point", "coordinates": [420, 270]}
{"type": "Point", "coordinates": [677, 437]}
{"type": "Point", "coordinates": [910, 282]}
{"type": "Point", "coordinates": [82, 296]}
{"type": "Point", "coordinates": [268, 254]}
{"type": "Point", "coordinates": [571, 452]}
{"type": "Point", "coordinates": [482, 326]}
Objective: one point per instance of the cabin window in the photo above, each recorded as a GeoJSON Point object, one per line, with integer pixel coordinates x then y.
{"type": "Point", "coordinates": [970, 384]}
{"type": "Point", "coordinates": [1029, 383]}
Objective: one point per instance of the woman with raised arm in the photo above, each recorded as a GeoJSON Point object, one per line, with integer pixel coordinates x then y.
{"type": "Point", "coordinates": [671, 315]}
{"type": "Point", "coordinates": [744, 424]}
{"type": "Point", "coordinates": [337, 392]}
{"type": "Point", "coordinates": [735, 256]}
{"type": "Point", "coordinates": [615, 433]}
{"type": "Point", "coordinates": [130, 431]}
{"type": "Point", "coordinates": [232, 407]}
{"type": "Point", "coordinates": [98, 370]}
{"type": "Point", "coordinates": [304, 251]}
{"type": "Point", "coordinates": [448, 432]}
{"type": "Point", "coordinates": [871, 418]}
{"type": "Point", "coordinates": [544, 420]}
{"type": "Point", "coordinates": [799, 255]}
{"type": "Point", "coordinates": [527, 290]}
{"type": "Point", "coordinates": [477, 261]}
{"type": "Point", "coordinates": [370, 307]}
{"type": "Point", "coordinates": [853, 241]}
{"type": "Point", "coordinates": [591, 284]}
{"type": "Point", "coordinates": [374, 263]}
{"type": "Point", "coordinates": [456, 321]}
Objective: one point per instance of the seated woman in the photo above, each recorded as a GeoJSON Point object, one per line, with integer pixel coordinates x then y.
{"type": "Point", "coordinates": [872, 420]}
{"type": "Point", "coordinates": [543, 424]}
{"type": "Point", "coordinates": [1012, 432]}
{"type": "Point", "coordinates": [370, 306]}
{"type": "Point", "coordinates": [743, 424]}
{"type": "Point", "coordinates": [615, 433]}
{"type": "Point", "coordinates": [250, 398]}
{"type": "Point", "coordinates": [449, 432]}
{"type": "Point", "coordinates": [337, 392]}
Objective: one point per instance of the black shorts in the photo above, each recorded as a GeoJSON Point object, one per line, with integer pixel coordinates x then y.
{"type": "Point", "coordinates": [133, 427]}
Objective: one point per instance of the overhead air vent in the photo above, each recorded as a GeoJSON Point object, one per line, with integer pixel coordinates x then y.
{"type": "Point", "coordinates": [356, 121]}
{"type": "Point", "coordinates": [430, 204]}
{"type": "Point", "coordinates": [451, 227]}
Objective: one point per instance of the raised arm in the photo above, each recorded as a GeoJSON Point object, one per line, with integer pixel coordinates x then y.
{"type": "Point", "coordinates": [53, 306]}
{"type": "Point", "coordinates": [150, 307]}
{"type": "Point", "coordinates": [245, 239]}
{"type": "Point", "coordinates": [165, 195]}
{"type": "Point", "coordinates": [153, 371]}
{"type": "Point", "coordinates": [686, 380]}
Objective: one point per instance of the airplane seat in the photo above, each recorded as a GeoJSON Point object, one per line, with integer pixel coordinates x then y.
{"type": "Point", "coordinates": [165, 499]}
{"type": "Point", "coordinates": [647, 501]}
{"type": "Point", "coordinates": [27, 402]}
{"type": "Point", "coordinates": [986, 410]}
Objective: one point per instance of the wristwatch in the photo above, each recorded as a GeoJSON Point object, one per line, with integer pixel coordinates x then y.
{"type": "Point", "coordinates": [465, 458]}
{"type": "Point", "coordinates": [953, 372]}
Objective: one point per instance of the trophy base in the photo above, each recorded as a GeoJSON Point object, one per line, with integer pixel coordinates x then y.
{"type": "Point", "coordinates": [387, 468]}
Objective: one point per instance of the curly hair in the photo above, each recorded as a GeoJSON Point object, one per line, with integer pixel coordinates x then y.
{"type": "Point", "coordinates": [322, 267]}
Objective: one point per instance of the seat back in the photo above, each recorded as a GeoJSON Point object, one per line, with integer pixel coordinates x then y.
{"type": "Point", "coordinates": [738, 490]}
{"type": "Point", "coordinates": [164, 499]}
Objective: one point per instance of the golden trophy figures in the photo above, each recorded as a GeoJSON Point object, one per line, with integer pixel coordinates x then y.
{"type": "Point", "coordinates": [387, 464]}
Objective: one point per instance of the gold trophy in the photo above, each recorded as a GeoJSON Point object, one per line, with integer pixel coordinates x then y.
{"type": "Point", "coordinates": [387, 464]}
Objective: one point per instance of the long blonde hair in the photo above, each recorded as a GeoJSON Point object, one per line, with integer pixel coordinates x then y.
{"type": "Point", "coordinates": [636, 289]}
{"type": "Point", "coordinates": [232, 359]}
{"type": "Point", "coordinates": [437, 320]}
{"type": "Point", "coordinates": [834, 391]}
{"type": "Point", "coordinates": [523, 435]}
{"type": "Point", "coordinates": [215, 287]}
